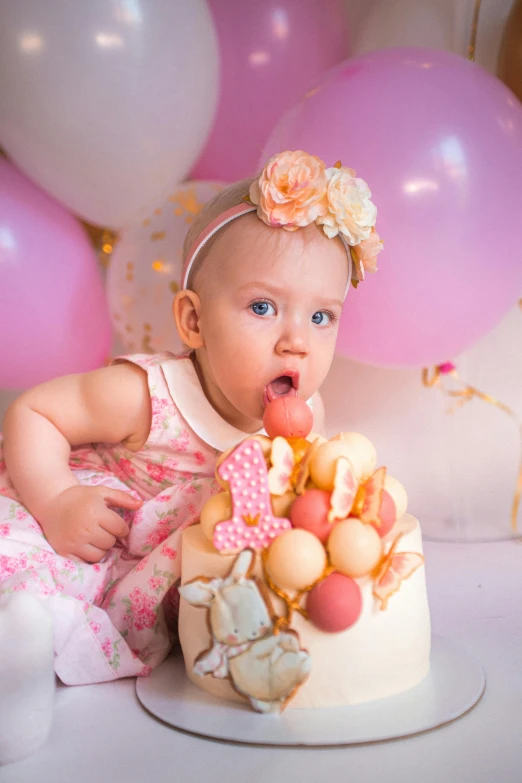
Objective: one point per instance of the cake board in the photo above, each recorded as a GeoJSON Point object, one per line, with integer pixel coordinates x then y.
{"type": "Point", "coordinates": [454, 685]}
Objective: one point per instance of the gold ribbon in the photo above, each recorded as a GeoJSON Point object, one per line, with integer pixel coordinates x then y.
{"type": "Point", "coordinates": [436, 377]}
{"type": "Point", "coordinates": [474, 30]}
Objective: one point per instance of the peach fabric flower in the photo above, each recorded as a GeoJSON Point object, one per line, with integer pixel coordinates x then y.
{"type": "Point", "coordinates": [291, 191]}
{"type": "Point", "coordinates": [366, 252]}
{"type": "Point", "coordinates": [350, 209]}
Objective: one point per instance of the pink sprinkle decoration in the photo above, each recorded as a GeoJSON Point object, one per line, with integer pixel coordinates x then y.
{"type": "Point", "coordinates": [253, 523]}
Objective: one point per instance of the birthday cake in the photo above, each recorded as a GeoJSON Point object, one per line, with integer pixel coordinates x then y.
{"type": "Point", "coordinates": [303, 586]}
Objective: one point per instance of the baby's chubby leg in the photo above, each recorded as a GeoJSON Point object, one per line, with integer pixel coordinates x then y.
{"type": "Point", "coordinates": [27, 680]}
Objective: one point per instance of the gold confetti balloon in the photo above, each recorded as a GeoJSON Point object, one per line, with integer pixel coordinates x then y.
{"type": "Point", "coordinates": [145, 269]}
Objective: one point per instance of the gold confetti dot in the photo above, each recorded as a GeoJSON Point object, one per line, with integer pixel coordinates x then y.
{"type": "Point", "coordinates": [174, 287]}
{"type": "Point", "coordinates": [147, 327]}
{"type": "Point", "coordinates": [146, 222]}
{"type": "Point", "coordinates": [128, 328]}
{"type": "Point", "coordinates": [146, 344]}
{"type": "Point", "coordinates": [158, 235]}
{"type": "Point", "coordinates": [157, 211]}
{"type": "Point", "coordinates": [188, 202]}
{"type": "Point", "coordinates": [117, 317]}
{"type": "Point", "coordinates": [130, 265]}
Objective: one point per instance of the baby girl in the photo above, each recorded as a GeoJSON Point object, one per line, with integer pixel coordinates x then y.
{"type": "Point", "coordinates": [101, 472]}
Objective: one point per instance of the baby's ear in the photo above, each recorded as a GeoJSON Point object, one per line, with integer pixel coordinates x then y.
{"type": "Point", "coordinates": [186, 309]}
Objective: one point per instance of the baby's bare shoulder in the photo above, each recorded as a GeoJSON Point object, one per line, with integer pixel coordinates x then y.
{"type": "Point", "coordinates": [111, 404]}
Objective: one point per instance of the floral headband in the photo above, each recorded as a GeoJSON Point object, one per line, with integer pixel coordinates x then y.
{"type": "Point", "coordinates": [296, 189]}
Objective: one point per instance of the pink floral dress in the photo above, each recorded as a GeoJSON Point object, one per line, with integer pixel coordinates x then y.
{"type": "Point", "coordinates": [115, 618]}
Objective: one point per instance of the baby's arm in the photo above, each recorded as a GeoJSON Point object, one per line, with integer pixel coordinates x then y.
{"type": "Point", "coordinates": [109, 405]}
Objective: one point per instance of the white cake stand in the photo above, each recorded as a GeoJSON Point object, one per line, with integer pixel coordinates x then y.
{"type": "Point", "coordinates": [454, 685]}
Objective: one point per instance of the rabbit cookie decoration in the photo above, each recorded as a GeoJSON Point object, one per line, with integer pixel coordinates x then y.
{"type": "Point", "coordinates": [263, 664]}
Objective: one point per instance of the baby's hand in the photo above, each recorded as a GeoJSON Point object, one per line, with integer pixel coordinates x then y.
{"type": "Point", "coordinates": [79, 522]}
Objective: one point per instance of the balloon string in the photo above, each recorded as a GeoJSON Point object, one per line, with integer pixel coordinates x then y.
{"type": "Point", "coordinates": [474, 30]}
{"type": "Point", "coordinates": [465, 394]}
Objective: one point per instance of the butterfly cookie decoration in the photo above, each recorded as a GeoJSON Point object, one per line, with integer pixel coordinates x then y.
{"type": "Point", "coordinates": [290, 464]}
{"type": "Point", "coordinates": [349, 498]}
{"type": "Point", "coordinates": [393, 569]}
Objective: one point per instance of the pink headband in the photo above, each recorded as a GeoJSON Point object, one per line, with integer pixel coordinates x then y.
{"type": "Point", "coordinates": [223, 220]}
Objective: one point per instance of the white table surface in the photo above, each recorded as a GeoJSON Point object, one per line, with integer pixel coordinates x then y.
{"type": "Point", "coordinates": [101, 733]}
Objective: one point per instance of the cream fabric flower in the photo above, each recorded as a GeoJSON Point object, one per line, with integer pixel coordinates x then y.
{"type": "Point", "coordinates": [366, 253]}
{"type": "Point", "coordinates": [291, 191]}
{"type": "Point", "coordinates": [350, 209]}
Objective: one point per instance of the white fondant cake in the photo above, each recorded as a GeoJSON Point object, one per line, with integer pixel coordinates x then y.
{"type": "Point", "coordinates": [303, 586]}
{"type": "Point", "coordinates": [384, 653]}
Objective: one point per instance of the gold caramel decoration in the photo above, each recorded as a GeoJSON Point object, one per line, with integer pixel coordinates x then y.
{"type": "Point", "coordinates": [292, 604]}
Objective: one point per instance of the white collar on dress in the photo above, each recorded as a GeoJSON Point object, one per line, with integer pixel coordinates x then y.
{"type": "Point", "coordinates": [184, 386]}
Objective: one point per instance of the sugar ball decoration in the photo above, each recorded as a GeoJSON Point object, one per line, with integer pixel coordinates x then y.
{"type": "Point", "coordinates": [361, 453]}
{"type": "Point", "coordinates": [324, 461]}
{"type": "Point", "coordinates": [398, 494]}
{"type": "Point", "coordinates": [218, 508]}
{"type": "Point", "coordinates": [335, 603]}
{"type": "Point", "coordinates": [355, 549]}
{"type": "Point", "coordinates": [288, 417]}
{"type": "Point", "coordinates": [281, 504]}
{"type": "Point", "coordinates": [310, 512]}
{"type": "Point", "coordinates": [296, 559]}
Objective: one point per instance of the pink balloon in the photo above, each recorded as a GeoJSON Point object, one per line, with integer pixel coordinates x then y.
{"type": "Point", "coordinates": [53, 314]}
{"type": "Point", "coordinates": [439, 141]}
{"type": "Point", "coordinates": [271, 51]}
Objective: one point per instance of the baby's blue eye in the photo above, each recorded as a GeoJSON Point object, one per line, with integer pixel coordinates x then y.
{"type": "Point", "coordinates": [262, 308]}
{"type": "Point", "coordinates": [321, 318]}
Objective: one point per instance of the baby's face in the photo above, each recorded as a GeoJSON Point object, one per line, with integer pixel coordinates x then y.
{"type": "Point", "coordinates": [270, 307]}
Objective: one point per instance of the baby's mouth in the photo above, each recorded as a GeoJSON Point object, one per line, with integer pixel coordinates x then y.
{"type": "Point", "coordinates": [282, 386]}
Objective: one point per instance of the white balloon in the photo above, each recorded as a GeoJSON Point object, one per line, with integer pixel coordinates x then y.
{"type": "Point", "coordinates": [106, 103]}
{"type": "Point", "coordinates": [145, 270]}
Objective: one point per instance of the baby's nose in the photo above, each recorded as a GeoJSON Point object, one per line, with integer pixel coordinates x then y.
{"type": "Point", "coordinates": [294, 342]}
